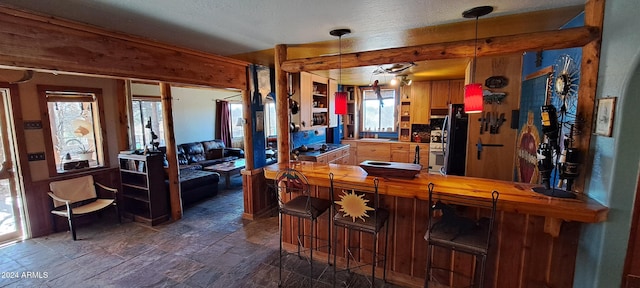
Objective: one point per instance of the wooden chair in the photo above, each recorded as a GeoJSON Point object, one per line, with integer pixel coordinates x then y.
{"type": "Point", "coordinates": [77, 197]}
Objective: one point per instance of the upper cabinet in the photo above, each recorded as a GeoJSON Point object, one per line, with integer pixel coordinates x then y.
{"type": "Point", "coordinates": [445, 92]}
{"type": "Point", "coordinates": [315, 96]}
{"type": "Point", "coordinates": [421, 94]}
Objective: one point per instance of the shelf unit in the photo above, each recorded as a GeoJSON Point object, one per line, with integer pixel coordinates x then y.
{"type": "Point", "coordinates": [404, 129]}
{"type": "Point", "coordinates": [350, 120]}
{"type": "Point", "coordinates": [144, 196]}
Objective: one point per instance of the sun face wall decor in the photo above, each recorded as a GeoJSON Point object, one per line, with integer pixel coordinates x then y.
{"type": "Point", "coordinates": [353, 205]}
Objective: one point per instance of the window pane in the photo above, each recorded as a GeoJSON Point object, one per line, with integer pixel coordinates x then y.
{"type": "Point", "coordinates": [270, 119]}
{"type": "Point", "coordinates": [236, 114]}
{"type": "Point", "coordinates": [376, 117]}
{"type": "Point", "coordinates": [73, 126]}
{"type": "Point", "coordinates": [143, 111]}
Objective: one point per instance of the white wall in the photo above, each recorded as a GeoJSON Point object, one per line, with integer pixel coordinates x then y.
{"type": "Point", "coordinates": [194, 109]}
{"type": "Point", "coordinates": [613, 177]}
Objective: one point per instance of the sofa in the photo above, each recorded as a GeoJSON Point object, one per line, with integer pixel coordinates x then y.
{"type": "Point", "coordinates": [206, 153]}
{"type": "Point", "coordinates": [196, 184]}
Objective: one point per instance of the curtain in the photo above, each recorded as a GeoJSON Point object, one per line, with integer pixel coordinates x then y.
{"type": "Point", "coordinates": [223, 122]}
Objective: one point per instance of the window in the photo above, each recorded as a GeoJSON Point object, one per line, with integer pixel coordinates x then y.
{"type": "Point", "coordinates": [147, 117]}
{"type": "Point", "coordinates": [270, 119]}
{"type": "Point", "coordinates": [376, 117]}
{"type": "Point", "coordinates": [75, 126]}
{"type": "Point", "coordinates": [237, 127]}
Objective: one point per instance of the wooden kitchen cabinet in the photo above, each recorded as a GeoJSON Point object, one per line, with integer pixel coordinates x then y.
{"type": "Point", "coordinates": [314, 101]}
{"type": "Point", "coordinates": [456, 91]}
{"type": "Point", "coordinates": [399, 152]}
{"type": "Point", "coordinates": [353, 150]}
{"type": "Point", "coordinates": [379, 151]}
{"type": "Point", "coordinates": [445, 92]}
{"type": "Point", "coordinates": [424, 155]}
{"type": "Point", "coordinates": [420, 100]}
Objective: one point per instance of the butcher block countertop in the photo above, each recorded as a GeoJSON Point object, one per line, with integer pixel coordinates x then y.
{"type": "Point", "coordinates": [514, 197]}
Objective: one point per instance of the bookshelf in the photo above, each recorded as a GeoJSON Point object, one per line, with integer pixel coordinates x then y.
{"type": "Point", "coordinates": [144, 195]}
{"type": "Point", "coordinates": [350, 120]}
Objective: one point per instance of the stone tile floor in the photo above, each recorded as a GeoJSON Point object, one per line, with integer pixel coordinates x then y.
{"type": "Point", "coordinates": [212, 246]}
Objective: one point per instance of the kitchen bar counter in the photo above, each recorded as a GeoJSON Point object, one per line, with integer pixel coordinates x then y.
{"type": "Point", "coordinates": [514, 197]}
{"type": "Point", "coordinates": [531, 242]}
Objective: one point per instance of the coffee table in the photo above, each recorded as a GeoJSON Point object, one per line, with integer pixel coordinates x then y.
{"type": "Point", "coordinates": [227, 169]}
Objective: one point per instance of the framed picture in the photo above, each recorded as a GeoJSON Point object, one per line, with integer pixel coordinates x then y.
{"type": "Point", "coordinates": [604, 116]}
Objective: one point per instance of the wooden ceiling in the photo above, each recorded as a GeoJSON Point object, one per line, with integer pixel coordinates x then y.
{"type": "Point", "coordinates": [424, 70]}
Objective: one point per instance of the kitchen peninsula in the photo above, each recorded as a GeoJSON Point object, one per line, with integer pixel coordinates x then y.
{"type": "Point", "coordinates": [535, 234]}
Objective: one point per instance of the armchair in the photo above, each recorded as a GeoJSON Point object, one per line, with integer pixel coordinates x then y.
{"type": "Point", "coordinates": [77, 197]}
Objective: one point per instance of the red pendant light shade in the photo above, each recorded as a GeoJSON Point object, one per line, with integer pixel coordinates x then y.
{"type": "Point", "coordinates": [341, 103]}
{"type": "Point", "coordinates": [473, 98]}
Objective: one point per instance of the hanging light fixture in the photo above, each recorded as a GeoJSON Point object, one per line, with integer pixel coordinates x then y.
{"type": "Point", "coordinates": [340, 101]}
{"type": "Point", "coordinates": [473, 101]}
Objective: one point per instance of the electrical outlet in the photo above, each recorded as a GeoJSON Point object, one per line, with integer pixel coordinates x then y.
{"type": "Point", "coordinates": [38, 156]}
{"type": "Point", "coordinates": [35, 124]}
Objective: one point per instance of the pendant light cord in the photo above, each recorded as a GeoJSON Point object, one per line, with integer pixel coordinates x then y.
{"type": "Point", "coordinates": [475, 53]}
{"type": "Point", "coordinates": [340, 57]}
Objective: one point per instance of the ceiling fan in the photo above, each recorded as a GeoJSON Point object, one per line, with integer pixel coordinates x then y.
{"type": "Point", "coordinates": [393, 68]}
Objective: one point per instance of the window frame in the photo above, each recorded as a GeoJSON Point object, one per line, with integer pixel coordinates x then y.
{"type": "Point", "coordinates": [395, 108]}
{"type": "Point", "coordinates": [234, 120]}
{"type": "Point", "coordinates": [46, 126]}
{"type": "Point", "coordinates": [267, 118]}
{"type": "Point", "coordinates": [145, 141]}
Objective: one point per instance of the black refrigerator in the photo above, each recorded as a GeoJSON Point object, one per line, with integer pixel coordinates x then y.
{"type": "Point", "coordinates": [455, 153]}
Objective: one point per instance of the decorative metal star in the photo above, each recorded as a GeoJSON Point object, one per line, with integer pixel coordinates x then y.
{"type": "Point", "coordinates": [353, 205]}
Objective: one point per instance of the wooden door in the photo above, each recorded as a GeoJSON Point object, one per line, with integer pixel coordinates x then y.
{"type": "Point", "coordinates": [420, 98]}
{"type": "Point", "coordinates": [631, 272]}
{"type": "Point", "coordinates": [456, 91]}
{"type": "Point", "coordinates": [440, 94]}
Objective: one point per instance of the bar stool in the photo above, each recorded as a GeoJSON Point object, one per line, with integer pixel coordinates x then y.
{"type": "Point", "coordinates": [293, 184]}
{"type": "Point", "coordinates": [459, 234]}
{"type": "Point", "coordinates": [360, 217]}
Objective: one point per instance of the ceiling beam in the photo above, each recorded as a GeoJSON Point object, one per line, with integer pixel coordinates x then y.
{"type": "Point", "coordinates": [489, 46]}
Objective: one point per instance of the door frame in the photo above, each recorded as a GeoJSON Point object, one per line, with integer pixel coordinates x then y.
{"type": "Point", "coordinates": [12, 145]}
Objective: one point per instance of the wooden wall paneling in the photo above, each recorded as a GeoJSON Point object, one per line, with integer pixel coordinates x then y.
{"type": "Point", "coordinates": [464, 265]}
{"type": "Point", "coordinates": [565, 249]}
{"type": "Point", "coordinates": [403, 235]}
{"type": "Point", "coordinates": [33, 41]}
{"type": "Point", "coordinates": [387, 203]}
{"type": "Point", "coordinates": [511, 231]}
{"type": "Point", "coordinates": [521, 253]}
{"type": "Point", "coordinates": [421, 224]}
{"type": "Point", "coordinates": [321, 226]}
{"type": "Point", "coordinates": [259, 199]}
{"type": "Point", "coordinates": [495, 162]}
{"type": "Point", "coordinates": [536, 255]}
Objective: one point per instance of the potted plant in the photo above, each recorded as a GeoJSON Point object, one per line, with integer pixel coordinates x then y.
{"type": "Point", "coordinates": [83, 152]}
